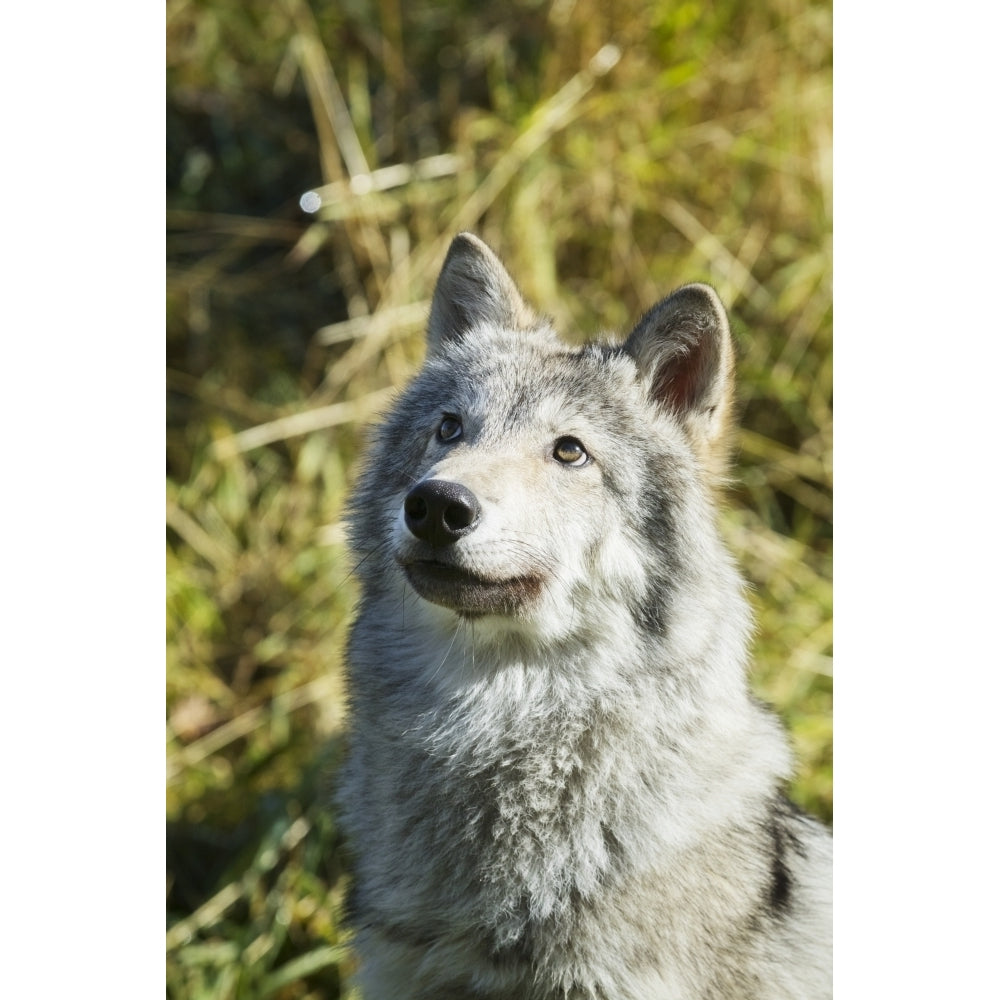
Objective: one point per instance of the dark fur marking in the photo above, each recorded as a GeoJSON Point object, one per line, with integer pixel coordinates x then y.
{"type": "Point", "coordinates": [782, 839]}
{"type": "Point", "coordinates": [781, 879]}
{"type": "Point", "coordinates": [648, 612]}
{"type": "Point", "coordinates": [612, 844]}
{"type": "Point", "coordinates": [655, 527]}
{"type": "Point", "coordinates": [658, 529]}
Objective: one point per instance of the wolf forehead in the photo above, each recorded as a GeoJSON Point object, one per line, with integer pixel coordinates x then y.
{"type": "Point", "coordinates": [506, 381]}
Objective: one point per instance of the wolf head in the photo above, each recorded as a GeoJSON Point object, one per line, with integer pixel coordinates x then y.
{"type": "Point", "coordinates": [547, 490]}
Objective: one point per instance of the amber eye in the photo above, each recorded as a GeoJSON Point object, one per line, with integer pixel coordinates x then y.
{"type": "Point", "coordinates": [450, 428]}
{"type": "Point", "coordinates": [569, 451]}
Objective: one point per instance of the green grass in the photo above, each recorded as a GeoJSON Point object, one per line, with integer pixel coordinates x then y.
{"type": "Point", "coordinates": [698, 148]}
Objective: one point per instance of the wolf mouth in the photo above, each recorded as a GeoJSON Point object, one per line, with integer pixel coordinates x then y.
{"type": "Point", "coordinates": [467, 593]}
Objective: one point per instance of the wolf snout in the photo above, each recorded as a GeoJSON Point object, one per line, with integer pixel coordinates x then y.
{"type": "Point", "coordinates": [441, 512]}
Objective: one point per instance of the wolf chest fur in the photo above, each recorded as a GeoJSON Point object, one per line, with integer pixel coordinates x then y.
{"type": "Point", "coordinates": [558, 785]}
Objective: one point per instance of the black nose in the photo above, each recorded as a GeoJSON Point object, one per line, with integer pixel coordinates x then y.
{"type": "Point", "coordinates": [440, 512]}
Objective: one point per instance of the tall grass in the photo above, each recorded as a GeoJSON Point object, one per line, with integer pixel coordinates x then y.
{"type": "Point", "coordinates": [610, 153]}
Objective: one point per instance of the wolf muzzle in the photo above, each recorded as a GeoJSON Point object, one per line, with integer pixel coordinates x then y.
{"type": "Point", "coordinates": [438, 513]}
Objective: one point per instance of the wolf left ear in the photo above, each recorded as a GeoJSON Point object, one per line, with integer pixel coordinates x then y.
{"type": "Point", "coordinates": [474, 288]}
{"type": "Point", "coordinates": [684, 353]}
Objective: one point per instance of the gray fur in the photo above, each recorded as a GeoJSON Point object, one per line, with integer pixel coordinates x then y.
{"type": "Point", "coordinates": [559, 787]}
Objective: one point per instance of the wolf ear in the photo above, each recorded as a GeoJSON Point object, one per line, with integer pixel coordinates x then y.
{"type": "Point", "coordinates": [473, 288]}
{"type": "Point", "coordinates": [684, 352]}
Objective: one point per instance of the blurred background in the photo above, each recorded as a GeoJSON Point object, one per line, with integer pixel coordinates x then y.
{"type": "Point", "coordinates": [320, 156]}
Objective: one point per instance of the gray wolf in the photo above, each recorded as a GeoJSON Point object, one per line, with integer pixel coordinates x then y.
{"type": "Point", "coordinates": [558, 786]}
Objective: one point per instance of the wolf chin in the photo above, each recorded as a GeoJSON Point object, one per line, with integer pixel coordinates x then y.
{"type": "Point", "coordinates": [558, 785]}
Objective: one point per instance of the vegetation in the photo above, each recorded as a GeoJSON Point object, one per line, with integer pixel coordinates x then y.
{"type": "Point", "coordinates": [609, 152]}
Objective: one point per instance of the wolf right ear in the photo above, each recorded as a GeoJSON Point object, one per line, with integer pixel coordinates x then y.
{"type": "Point", "coordinates": [684, 353]}
{"type": "Point", "coordinates": [474, 288]}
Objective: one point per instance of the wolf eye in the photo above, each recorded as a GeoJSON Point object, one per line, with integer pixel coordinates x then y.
{"type": "Point", "coordinates": [450, 428]}
{"type": "Point", "coordinates": [569, 451]}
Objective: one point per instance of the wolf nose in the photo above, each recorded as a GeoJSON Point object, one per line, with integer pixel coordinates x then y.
{"type": "Point", "coordinates": [440, 512]}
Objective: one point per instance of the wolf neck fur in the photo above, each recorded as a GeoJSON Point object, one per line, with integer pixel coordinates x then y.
{"type": "Point", "coordinates": [538, 717]}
